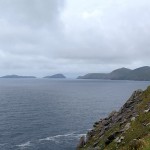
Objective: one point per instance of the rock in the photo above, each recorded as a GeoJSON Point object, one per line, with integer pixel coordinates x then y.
{"type": "Point", "coordinates": [136, 94]}
{"type": "Point", "coordinates": [128, 116]}
{"type": "Point", "coordinates": [146, 111]}
{"type": "Point", "coordinates": [106, 128]}
{"type": "Point", "coordinates": [119, 139]}
{"type": "Point", "coordinates": [95, 144]}
{"type": "Point", "coordinates": [119, 118]}
{"type": "Point", "coordinates": [133, 119]}
{"type": "Point", "coordinates": [96, 123]}
{"type": "Point", "coordinates": [127, 126]}
{"type": "Point", "coordinates": [132, 100]}
{"type": "Point", "coordinates": [107, 142]}
{"type": "Point", "coordinates": [122, 137]}
{"type": "Point", "coordinates": [89, 135]}
{"type": "Point", "coordinates": [81, 142]}
{"type": "Point", "coordinates": [123, 122]}
{"type": "Point", "coordinates": [106, 123]}
{"type": "Point", "coordinates": [97, 148]}
{"type": "Point", "coordinates": [148, 124]}
{"type": "Point", "coordinates": [111, 138]}
{"type": "Point", "coordinates": [101, 132]}
{"type": "Point", "coordinates": [113, 113]}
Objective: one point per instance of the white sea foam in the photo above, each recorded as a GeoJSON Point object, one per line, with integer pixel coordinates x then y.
{"type": "Point", "coordinates": [2, 144]}
{"type": "Point", "coordinates": [59, 138]}
{"type": "Point", "coordinates": [23, 145]}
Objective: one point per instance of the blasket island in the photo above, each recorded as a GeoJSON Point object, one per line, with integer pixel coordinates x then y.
{"type": "Point", "coordinates": [138, 74]}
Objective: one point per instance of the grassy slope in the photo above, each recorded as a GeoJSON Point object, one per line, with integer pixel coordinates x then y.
{"type": "Point", "coordinates": [138, 130]}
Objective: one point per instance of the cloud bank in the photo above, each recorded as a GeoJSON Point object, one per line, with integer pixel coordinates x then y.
{"type": "Point", "coordinates": [73, 37]}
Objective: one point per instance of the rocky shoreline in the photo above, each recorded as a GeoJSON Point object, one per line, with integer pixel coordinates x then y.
{"type": "Point", "coordinates": [113, 131]}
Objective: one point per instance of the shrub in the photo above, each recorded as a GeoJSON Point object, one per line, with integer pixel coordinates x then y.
{"type": "Point", "coordinates": [137, 144]}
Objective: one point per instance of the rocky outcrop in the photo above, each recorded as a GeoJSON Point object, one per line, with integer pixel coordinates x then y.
{"type": "Point", "coordinates": [111, 131]}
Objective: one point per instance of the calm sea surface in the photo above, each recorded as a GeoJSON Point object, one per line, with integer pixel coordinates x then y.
{"type": "Point", "coordinates": [46, 114]}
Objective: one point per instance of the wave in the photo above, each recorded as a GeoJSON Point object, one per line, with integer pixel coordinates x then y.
{"type": "Point", "coordinates": [27, 144]}
{"type": "Point", "coordinates": [2, 144]}
{"type": "Point", "coordinates": [57, 139]}
{"type": "Point", "coordinates": [62, 137]}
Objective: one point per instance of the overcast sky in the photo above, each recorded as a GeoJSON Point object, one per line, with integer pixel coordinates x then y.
{"type": "Point", "coordinates": [74, 37]}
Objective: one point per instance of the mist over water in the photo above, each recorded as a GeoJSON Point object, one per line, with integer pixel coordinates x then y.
{"type": "Point", "coordinates": [44, 114]}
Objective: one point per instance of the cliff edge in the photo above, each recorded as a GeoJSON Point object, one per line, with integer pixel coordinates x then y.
{"type": "Point", "coordinates": [127, 129]}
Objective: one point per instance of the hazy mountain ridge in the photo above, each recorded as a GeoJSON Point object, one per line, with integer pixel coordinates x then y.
{"type": "Point", "coordinates": [142, 73]}
{"type": "Point", "coordinates": [17, 76]}
{"type": "Point", "coordinates": [56, 76]}
{"type": "Point", "coordinates": [94, 76]}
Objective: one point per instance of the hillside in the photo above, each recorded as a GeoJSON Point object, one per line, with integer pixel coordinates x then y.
{"type": "Point", "coordinates": [141, 74]}
{"type": "Point", "coordinates": [127, 129]}
{"type": "Point", "coordinates": [119, 74]}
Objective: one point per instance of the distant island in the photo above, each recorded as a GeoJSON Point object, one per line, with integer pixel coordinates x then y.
{"type": "Point", "coordinates": [139, 74]}
{"type": "Point", "coordinates": [57, 76]}
{"type": "Point", "coordinates": [17, 76]}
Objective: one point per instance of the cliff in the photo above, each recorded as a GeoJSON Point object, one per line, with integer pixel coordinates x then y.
{"type": "Point", "coordinates": [127, 129]}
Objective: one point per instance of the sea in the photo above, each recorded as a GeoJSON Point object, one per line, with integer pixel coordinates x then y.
{"type": "Point", "coordinates": [52, 114]}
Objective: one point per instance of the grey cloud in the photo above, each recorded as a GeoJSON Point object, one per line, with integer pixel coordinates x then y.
{"type": "Point", "coordinates": [31, 12]}
{"type": "Point", "coordinates": [67, 36]}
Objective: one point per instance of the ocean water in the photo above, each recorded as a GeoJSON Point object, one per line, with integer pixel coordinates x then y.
{"type": "Point", "coordinates": [46, 114]}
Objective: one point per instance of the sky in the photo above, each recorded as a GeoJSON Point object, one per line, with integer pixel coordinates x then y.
{"type": "Point", "coordinates": [73, 37]}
